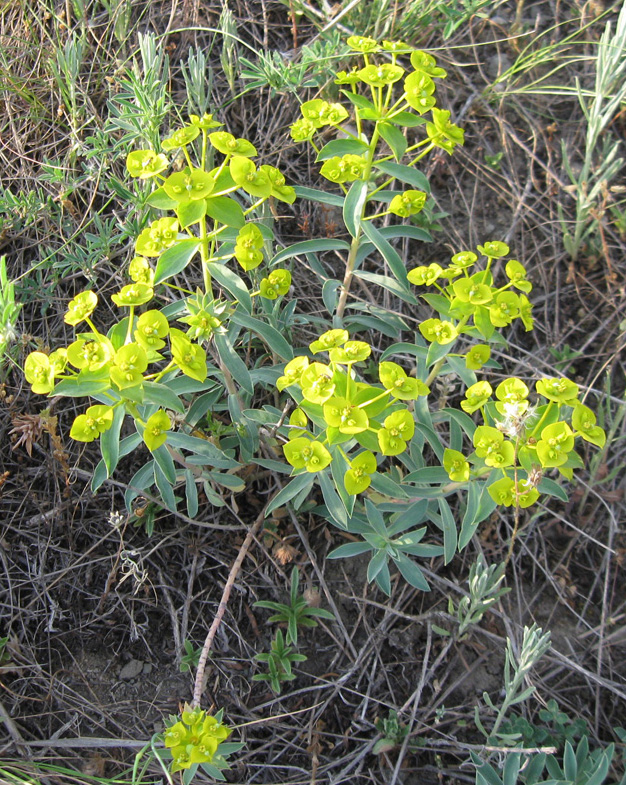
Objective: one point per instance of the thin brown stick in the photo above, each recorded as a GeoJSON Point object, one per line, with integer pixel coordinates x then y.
{"type": "Point", "coordinates": [198, 686]}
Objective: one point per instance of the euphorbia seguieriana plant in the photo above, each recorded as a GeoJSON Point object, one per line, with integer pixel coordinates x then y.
{"type": "Point", "coordinates": [362, 429]}
{"type": "Point", "coordinates": [364, 426]}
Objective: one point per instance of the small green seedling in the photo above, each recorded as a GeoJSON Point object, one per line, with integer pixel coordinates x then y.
{"type": "Point", "coordinates": [279, 661]}
{"type": "Point", "coordinates": [297, 614]}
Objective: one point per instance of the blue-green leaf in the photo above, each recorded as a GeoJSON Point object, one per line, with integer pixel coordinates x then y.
{"type": "Point", "coordinates": [407, 174]}
{"type": "Point", "coordinates": [191, 494]}
{"type": "Point", "coordinates": [406, 230]}
{"type": "Point", "coordinates": [156, 392]}
{"type": "Point", "coordinates": [333, 502]}
{"type": "Point", "coordinates": [342, 147]}
{"type": "Point", "coordinates": [139, 483]}
{"type": "Point", "coordinates": [384, 484]}
{"type": "Point", "coordinates": [232, 283]}
{"type": "Point", "coordinates": [552, 488]}
{"type": "Point", "coordinates": [161, 200]}
{"type": "Point", "coordinates": [407, 119]}
{"type": "Point", "coordinates": [309, 246]}
{"type": "Point", "coordinates": [315, 195]}
{"type": "Point", "coordinates": [353, 208]}
{"type": "Point", "coordinates": [175, 259]}
{"type": "Point", "coordinates": [330, 295]}
{"type": "Point", "coordinates": [394, 138]}
{"type": "Point", "coordinates": [110, 440]}
{"type": "Point", "coordinates": [226, 211]}
{"type": "Point", "coordinates": [349, 549]}
{"type": "Point", "coordinates": [163, 458]}
{"type": "Point", "coordinates": [411, 572]}
{"type": "Point", "coordinates": [377, 562]}
{"type": "Point", "coordinates": [207, 452]}
{"type": "Point", "coordinates": [233, 362]}
{"type": "Point", "coordinates": [300, 483]}
{"type": "Point", "coordinates": [449, 531]}
{"type": "Point", "coordinates": [191, 212]}
{"type": "Point", "coordinates": [82, 386]}
{"type": "Point", "coordinates": [389, 253]}
{"type": "Point", "coordinates": [165, 488]}
{"type": "Point", "coordinates": [376, 519]}
{"type": "Point", "coordinates": [269, 334]}
{"type": "Point", "coordinates": [387, 283]}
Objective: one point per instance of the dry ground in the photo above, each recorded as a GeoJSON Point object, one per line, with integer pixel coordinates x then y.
{"type": "Point", "coordinates": [96, 615]}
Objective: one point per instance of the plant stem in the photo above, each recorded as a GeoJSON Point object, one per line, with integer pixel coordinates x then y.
{"type": "Point", "coordinates": [198, 687]}
{"type": "Point", "coordinates": [347, 278]}
{"type": "Point", "coordinates": [354, 246]}
{"type": "Point", "coordinates": [204, 255]}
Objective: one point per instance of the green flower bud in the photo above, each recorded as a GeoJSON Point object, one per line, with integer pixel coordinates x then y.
{"type": "Point", "coordinates": [419, 89]}
{"type": "Point", "coordinates": [476, 396]}
{"type": "Point", "coordinates": [494, 249]}
{"type": "Point", "coordinates": [584, 422]}
{"type": "Point", "coordinates": [140, 271]}
{"type": "Point", "coordinates": [477, 356]}
{"type": "Point", "coordinates": [487, 440]}
{"type": "Point", "coordinates": [455, 464]}
{"type": "Point", "coordinates": [189, 357]}
{"type": "Point", "coordinates": [442, 133]}
{"type": "Point", "coordinates": [395, 380]}
{"type": "Point", "coordinates": [181, 138]}
{"type": "Point", "coordinates": [516, 273]}
{"type": "Point", "coordinates": [317, 383]}
{"type": "Point", "coordinates": [204, 123]}
{"type": "Point", "coordinates": [358, 477]}
{"type": "Point", "coordinates": [133, 294]}
{"type": "Point", "coordinates": [161, 234]}
{"type": "Point", "coordinates": [559, 390]}
{"type": "Point", "coordinates": [155, 432]}
{"type": "Point", "coordinates": [280, 191]}
{"type": "Point", "coordinates": [407, 203]}
{"type": "Point", "coordinates": [351, 352]}
{"type": "Point", "coordinates": [425, 275]}
{"type": "Point", "coordinates": [381, 75]}
{"type": "Point", "coordinates": [501, 491]}
{"type": "Point", "coordinates": [245, 174]}
{"type": "Point", "coordinates": [426, 64]}
{"type": "Point", "coordinates": [302, 130]}
{"type": "Point", "coordinates": [39, 373]}
{"type": "Point", "coordinates": [228, 145]}
{"type": "Point", "coordinates": [329, 340]}
{"type": "Point", "coordinates": [302, 453]}
{"type": "Point", "coordinates": [361, 43]}
{"type": "Point", "coordinates": [436, 331]}
{"type": "Point", "coordinates": [152, 327]}
{"type": "Point", "coordinates": [80, 308]}
{"type": "Point", "coordinates": [145, 164]}
{"type": "Point", "coordinates": [293, 372]}
{"type": "Point", "coordinates": [189, 186]}
{"type": "Point", "coordinates": [557, 440]}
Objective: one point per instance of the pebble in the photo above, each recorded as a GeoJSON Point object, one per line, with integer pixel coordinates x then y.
{"type": "Point", "coordinates": [497, 65]}
{"type": "Point", "coordinates": [131, 670]}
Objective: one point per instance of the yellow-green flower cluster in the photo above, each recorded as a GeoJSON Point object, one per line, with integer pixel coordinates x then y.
{"type": "Point", "coordinates": [118, 364]}
{"type": "Point", "coordinates": [472, 301]}
{"type": "Point", "coordinates": [194, 738]}
{"type": "Point", "coordinates": [337, 411]}
{"type": "Point", "coordinates": [523, 440]}
{"type": "Point", "coordinates": [389, 95]}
